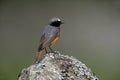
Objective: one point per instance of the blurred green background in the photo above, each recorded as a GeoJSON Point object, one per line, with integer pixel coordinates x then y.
{"type": "Point", "coordinates": [91, 33]}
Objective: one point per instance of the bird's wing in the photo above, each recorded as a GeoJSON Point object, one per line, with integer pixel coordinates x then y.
{"type": "Point", "coordinates": [46, 39]}
{"type": "Point", "coordinates": [42, 38]}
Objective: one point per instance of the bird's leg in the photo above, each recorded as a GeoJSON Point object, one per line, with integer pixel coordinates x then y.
{"type": "Point", "coordinates": [50, 49]}
{"type": "Point", "coordinates": [46, 50]}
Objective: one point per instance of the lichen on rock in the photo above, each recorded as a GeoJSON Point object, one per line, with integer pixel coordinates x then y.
{"type": "Point", "coordinates": [55, 66]}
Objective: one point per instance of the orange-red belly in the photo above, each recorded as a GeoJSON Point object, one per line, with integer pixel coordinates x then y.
{"type": "Point", "coordinates": [55, 40]}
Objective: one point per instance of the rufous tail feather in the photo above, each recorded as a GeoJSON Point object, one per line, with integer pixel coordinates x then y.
{"type": "Point", "coordinates": [38, 56]}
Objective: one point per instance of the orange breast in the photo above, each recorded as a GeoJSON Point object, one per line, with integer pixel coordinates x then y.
{"type": "Point", "coordinates": [55, 40]}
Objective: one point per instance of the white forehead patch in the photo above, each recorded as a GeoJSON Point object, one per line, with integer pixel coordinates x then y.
{"type": "Point", "coordinates": [54, 19]}
{"type": "Point", "coordinates": [59, 20]}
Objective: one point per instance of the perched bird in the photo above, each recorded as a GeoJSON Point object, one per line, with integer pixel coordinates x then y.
{"type": "Point", "coordinates": [50, 36]}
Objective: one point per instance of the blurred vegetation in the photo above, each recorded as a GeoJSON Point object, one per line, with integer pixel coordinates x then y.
{"type": "Point", "coordinates": [91, 33]}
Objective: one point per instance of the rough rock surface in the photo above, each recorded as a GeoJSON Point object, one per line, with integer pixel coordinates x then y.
{"type": "Point", "coordinates": [55, 66]}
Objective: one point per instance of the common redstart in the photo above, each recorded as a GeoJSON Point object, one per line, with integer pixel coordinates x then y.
{"type": "Point", "coordinates": [50, 36]}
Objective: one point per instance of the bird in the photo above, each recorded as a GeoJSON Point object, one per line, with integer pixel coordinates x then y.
{"type": "Point", "coordinates": [50, 36]}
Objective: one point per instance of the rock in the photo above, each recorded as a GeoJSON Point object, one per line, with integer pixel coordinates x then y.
{"type": "Point", "coordinates": [55, 66]}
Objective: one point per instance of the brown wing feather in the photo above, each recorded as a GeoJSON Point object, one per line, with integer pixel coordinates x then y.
{"type": "Point", "coordinates": [42, 38]}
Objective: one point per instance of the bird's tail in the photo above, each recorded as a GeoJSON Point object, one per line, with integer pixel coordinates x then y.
{"type": "Point", "coordinates": [39, 53]}
{"type": "Point", "coordinates": [38, 56]}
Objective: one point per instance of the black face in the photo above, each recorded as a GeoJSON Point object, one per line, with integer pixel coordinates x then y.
{"type": "Point", "coordinates": [56, 23]}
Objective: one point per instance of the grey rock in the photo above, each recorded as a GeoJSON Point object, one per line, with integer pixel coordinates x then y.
{"type": "Point", "coordinates": [55, 66]}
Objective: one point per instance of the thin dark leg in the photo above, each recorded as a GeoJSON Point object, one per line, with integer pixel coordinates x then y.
{"type": "Point", "coordinates": [51, 49]}
{"type": "Point", "coordinates": [46, 50]}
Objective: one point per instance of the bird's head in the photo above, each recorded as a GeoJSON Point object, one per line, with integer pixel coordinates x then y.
{"type": "Point", "coordinates": [56, 22]}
